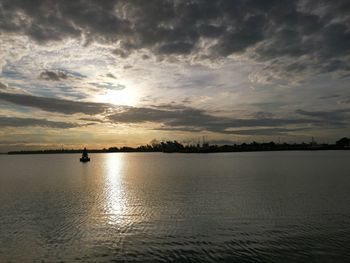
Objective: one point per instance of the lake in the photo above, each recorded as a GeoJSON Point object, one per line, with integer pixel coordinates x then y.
{"type": "Point", "coordinates": [154, 207]}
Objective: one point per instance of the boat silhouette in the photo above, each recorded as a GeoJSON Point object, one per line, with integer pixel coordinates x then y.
{"type": "Point", "coordinates": [85, 157]}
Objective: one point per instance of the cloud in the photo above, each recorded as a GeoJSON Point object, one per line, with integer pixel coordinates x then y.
{"type": "Point", "coordinates": [55, 105]}
{"type": "Point", "coordinates": [60, 75]}
{"type": "Point", "coordinates": [292, 39]}
{"type": "Point", "coordinates": [337, 117]}
{"type": "Point", "coordinates": [180, 118]}
{"type": "Point", "coordinates": [94, 120]}
{"type": "Point", "coordinates": [3, 86]}
{"type": "Point", "coordinates": [30, 122]}
{"type": "Point", "coordinates": [346, 101]}
{"type": "Point", "coordinates": [267, 131]}
{"type": "Point", "coordinates": [53, 76]}
{"type": "Point", "coordinates": [108, 85]}
{"type": "Point", "coordinates": [176, 117]}
{"type": "Point", "coordinates": [175, 48]}
{"type": "Point", "coordinates": [332, 96]}
{"type": "Point", "coordinates": [110, 75]}
{"type": "Point", "coordinates": [263, 115]}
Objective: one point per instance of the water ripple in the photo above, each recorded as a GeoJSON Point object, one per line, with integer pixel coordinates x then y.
{"type": "Point", "coordinates": [143, 208]}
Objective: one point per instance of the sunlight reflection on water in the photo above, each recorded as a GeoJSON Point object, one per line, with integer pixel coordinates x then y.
{"type": "Point", "coordinates": [116, 199]}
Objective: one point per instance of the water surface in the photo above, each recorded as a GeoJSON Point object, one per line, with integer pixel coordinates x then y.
{"type": "Point", "coordinates": [154, 207]}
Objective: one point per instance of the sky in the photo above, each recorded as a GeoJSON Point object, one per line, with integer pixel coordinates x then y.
{"type": "Point", "coordinates": [124, 72]}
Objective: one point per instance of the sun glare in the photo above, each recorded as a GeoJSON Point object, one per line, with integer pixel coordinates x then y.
{"type": "Point", "coordinates": [120, 97]}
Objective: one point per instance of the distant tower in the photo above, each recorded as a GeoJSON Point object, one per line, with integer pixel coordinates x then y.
{"type": "Point", "coordinates": [313, 141]}
{"type": "Point", "coordinates": [205, 142]}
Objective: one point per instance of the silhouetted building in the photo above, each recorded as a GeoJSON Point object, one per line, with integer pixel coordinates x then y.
{"type": "Point", "coordinates": [344, 142]}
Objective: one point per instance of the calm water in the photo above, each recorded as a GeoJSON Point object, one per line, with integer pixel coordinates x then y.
{"type": "Point", "coordinates": [234, 207]}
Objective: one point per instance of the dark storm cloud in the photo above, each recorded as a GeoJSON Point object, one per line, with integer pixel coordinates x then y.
{"type": "Point", "coordinates": [175, 48]}
{"type": "Point", "coordinates": [29, 122]}
{"type": "Point", "coordinates": [337, 117]}
{"type": "Point", "coordinates": [60, 75]}
{"type": "Point", "coordinates": [49, 20]}
{"type": "Point", "coordinates": [332, 96]}
{"type": "Point", "coordinates": [177, 117]}
{"type": "Point", "coordinates": [302, 36]}
{"type": "Point", "coordinates": [54, 105]}
{"type": "Point", "coordinates": [53, 76]}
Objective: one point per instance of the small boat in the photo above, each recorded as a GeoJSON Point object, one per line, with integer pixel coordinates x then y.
{"type": "Point", "coordinates": [85, 157]}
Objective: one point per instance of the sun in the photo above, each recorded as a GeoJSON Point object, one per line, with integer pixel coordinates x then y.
{"type": "Point", "coordinates": [125, 97]}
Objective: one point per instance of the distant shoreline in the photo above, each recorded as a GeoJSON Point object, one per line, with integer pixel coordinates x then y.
{"type": "Point", "coordinates": [76, 153]}
{"type": "Point", "coordinates": [175, 147]}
